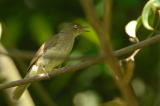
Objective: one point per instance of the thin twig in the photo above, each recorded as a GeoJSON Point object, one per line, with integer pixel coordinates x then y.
{"type": "Point", "coordinates": [49, 75]}
{"type": "Point", "coordinates": [107, 15]}
{"type": "Point", "coordinates": [106, 46]}
{"type": "Point", "coordinates": [18, 54]}
{"type": "Point", "coordinates": [144, 43]}
{"type": "Point", "coordinates": [147, 42]}
{"type": "Point", "coordinates": [29, 54]}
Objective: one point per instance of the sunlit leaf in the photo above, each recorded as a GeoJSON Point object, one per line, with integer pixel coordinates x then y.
{"type": "Point", "coordinates": [151, 6]}
{"type": "Point", "coordinates": [145, 15]}
{"type": "Point", "coordinates": [139, 23]}
{"type": "Point", "coordinates": [41, 28]}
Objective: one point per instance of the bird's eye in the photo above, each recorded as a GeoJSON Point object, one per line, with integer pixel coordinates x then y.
{"type": "Point", "coordinates": [75, 27]}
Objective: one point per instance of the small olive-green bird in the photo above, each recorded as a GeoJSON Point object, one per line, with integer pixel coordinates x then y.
{"type": "Point", "coordinates": [59, 45]}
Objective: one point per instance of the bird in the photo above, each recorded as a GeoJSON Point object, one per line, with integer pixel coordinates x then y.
{"type": "Point", "coordinates": [60, 45]}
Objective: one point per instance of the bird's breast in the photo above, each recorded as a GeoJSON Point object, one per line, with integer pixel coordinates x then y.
{"type": "Point", "coordinates": [54, 56]}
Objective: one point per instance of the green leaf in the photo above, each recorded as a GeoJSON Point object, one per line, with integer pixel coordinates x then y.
{"type": "Point", "coordinates": [148, 13]}
{"type": "Point", "coordinates": [139, 23]}
{"type": "Point", "coordinates": [41, 28]}
{"type": "Point", "coordinates": [145, 14]}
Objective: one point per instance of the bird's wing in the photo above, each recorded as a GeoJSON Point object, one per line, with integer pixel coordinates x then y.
{"type": "Point", "coordinates": [50, 43]}
{"type": "Point", "coordinates": [37, 56]}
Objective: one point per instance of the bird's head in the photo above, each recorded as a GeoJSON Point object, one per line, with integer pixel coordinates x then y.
{"type": "Point", "coordinates": [72, 28]}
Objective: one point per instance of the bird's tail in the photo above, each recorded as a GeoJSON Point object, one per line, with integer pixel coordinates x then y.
{"type": "Point", "coordinates": [19, 91]}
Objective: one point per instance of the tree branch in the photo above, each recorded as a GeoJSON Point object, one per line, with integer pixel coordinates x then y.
{"type": "Point", "coordinates": [51, 74]}
{"type": "Point", "coordinates": [19, 54]}
{"type": "Point", "coordinates": [107, 15]}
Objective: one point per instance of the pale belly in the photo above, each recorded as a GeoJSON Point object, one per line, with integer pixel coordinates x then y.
{"type": "Point", "coordinates": [53, 58]}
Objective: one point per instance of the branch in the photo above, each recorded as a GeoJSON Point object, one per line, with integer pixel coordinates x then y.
{"type": "Point", "coordinates": [18, 54]}
{"type": "Point", "coordinates": [147, 42]}
{"type": "Point", "coordinates": [53, 73]}
{"type": "Point", "coordinates": [110, 59]}
{"type": "Point", "coordinates": [107, 15]}
{"type": "Point", "coordinates": [144, 43]}
{"type": "Point", "coordinates": [29, 54]}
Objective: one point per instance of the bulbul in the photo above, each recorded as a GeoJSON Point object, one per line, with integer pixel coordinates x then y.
{"type": "Point", "coordinates": [60, 45]}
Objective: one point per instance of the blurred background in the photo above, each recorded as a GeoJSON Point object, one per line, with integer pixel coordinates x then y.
{"type": "Point", "coordinates": [28, 23]}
